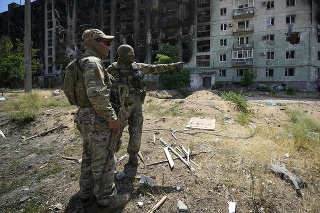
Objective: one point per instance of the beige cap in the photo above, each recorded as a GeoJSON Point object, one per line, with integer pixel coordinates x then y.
{"type": "Point", "coordinates": [95, 34]}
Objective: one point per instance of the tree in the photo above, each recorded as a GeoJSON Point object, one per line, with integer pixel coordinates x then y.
{"type": "Point", "coordinates": [174, 79]}
{"type": "Point", "coordinates": [12, 62]}
{"type": "Point", "coordinates": [248, 77]}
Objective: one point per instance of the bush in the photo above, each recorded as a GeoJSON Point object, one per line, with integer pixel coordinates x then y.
{"type": "Point", "coordinates": [248, 77]}
{"type": "Point", "coordinates": [291, 91]}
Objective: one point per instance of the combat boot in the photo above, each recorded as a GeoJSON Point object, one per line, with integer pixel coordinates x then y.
{"type": "Point", "coordinates": [117, 203]}
{"type": "Point", "coordinates": [133, 160]}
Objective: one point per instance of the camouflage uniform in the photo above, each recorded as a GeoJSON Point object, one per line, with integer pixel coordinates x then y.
{"type": "Point", "coordinates": [92, 92]}
{"type": "Point", "coordinates": [124, 71]}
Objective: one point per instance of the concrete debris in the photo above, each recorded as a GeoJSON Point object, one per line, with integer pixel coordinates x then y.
{"type": "Point", "coordinates": [140, 204]}
{"type": "Point", "coordinates": [182, 207]}
{"type": "Point", "coordinates": [56, 92]}
{"type": "Point", "coordinates": [199, 123]}
{"type": "Point", "coordinates": [1, 133]}
{"type": "Point", "coordinates": [232, 207]}
{"type": "Point", "coordinates": [25, 198]}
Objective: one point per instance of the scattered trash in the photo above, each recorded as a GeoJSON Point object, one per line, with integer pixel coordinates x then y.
{"type": "Point", "coordinates": [2, 98]}
{"type": "Point", "coordinates": [178, 188]}
{"type": "Point", "coordinates": [56, 92]}
{"type": "Point", "coordinates": [314, 135]}
{"type": "Point", "coordinates": [287, 155]}
{"type": "Point", "coordinates": [25, 198]}
{"type": "Point", "coordinates": [182, 207]}
{"type": "Point", "coordinates": [123, 157]}
{"type": "Point", "coordinates": [1, 133]}
{"type": "Point", "coordinates": [147, 180]}
{"type": "Point", "coordinates": [232, 207]}
{"type": "Point", "coordinates": [120, 175]}
{"type": "Point", "coordinates": [158, 204]}
{"type": "Point", "coordinates": [58, 206]}
{"type": "Point", "coordinates": [272, 104]}
{"type": "Point", "coordinates": [140, 204]}
{"type": "Point", "coordinates": [281, 169]}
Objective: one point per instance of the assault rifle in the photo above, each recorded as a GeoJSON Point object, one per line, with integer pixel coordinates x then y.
{"type": "Point", "coordinates": [281, 169]}
{"type": "Point", "coordinates": [121, 111]}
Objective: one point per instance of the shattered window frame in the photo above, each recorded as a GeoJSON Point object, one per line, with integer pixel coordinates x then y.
{"type": "Point", "coordinates": [223, 57]}
{"type": "Point", "coordinates": [290, 54]}
{"type": "Point", "coordinates": [222, 73]}
{"type": "Point", "coordinates": [223, 11]}
{"type": "Point", "coordinates": [269, 72]}
{"type": "Point", "coordinates": [223, 42]}
{"type": "Point", "coordinates": [270, 55]}
{"type": "Point", "coordinates": [270, 5]}
{"type": "Point", "coordinates": [291, 19]}
{"type": "Point", "coordinates": [289, 71]}
{"type": "Point", "coordinates": [291, 3]}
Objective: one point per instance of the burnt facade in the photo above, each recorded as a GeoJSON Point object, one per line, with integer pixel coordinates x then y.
{"type": "Point", "coordinates": [219, 40]}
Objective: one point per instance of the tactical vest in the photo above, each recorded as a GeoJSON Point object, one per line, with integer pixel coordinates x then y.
{"type": "Point", "coordinates": [133, 78]}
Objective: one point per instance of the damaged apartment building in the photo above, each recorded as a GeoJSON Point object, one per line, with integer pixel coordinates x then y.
{"type": "Point", "coordinates": [218, 39]}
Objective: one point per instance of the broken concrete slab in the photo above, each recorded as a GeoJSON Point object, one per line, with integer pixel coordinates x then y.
{"type": "Point", "coordinates": [201, 123]}
{"type": "Point", "coordinates": [182, 207]}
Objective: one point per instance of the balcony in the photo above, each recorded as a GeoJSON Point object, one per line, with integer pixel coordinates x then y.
{"type": "Point", "coordinates": [243, 30]}
{"type": "Point", "coordinates": [243, 13]}
{"type": "Point", "coordinates": [243, 46]}
{"type": "Point", "coordinates": [243, 62]}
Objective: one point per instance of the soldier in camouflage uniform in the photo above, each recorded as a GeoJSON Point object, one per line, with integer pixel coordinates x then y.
{"type": "Point", "coordinates": [96, 120]}
{"type": "Point", "coordinates": [130, 74]}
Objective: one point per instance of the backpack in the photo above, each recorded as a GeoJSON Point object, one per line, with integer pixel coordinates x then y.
{"type": "Point", "coordinates": [71, 77]}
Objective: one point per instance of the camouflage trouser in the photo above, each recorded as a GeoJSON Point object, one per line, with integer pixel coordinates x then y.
{"type": "Point", "coordinates": [135, 122]}
{"type": "Point", "coordinates": [98, 164]}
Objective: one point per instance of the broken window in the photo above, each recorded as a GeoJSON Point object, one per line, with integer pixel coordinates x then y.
{"type": "Point", "coordinates": [223, 57]}
{"type": "Point", "coordinates": [293, 37]}
{"type": "Point", "coordinates": [203, 60]}
{"type": "Point", "coordinates": [203, 3]}
{"type": "Point", "coordinates": [203, 16]}
{"type": "Point", "coordinates": [270, 21]}
{"type": "Point", "coordinates": [203, 46]}
{"type": "Point", "coordinates": [289, 54]}
{"type": "Point", "coordinates": [270, 5]}
{"type": "Point", "coordinates": [269, 72]}
{"type": "Point", "coordinates": [223, 42]}
{"type": "Point", "coordinates": [291, 3]}
{"type": "Point", "coordinates": [222, 73]}
{"type": "Point", "coordinates": [223, 27]}
{"type": "Point", "coordinates": [291, 19]}
{"type": "Point", "coordinates": [240, 72]}
{"type": "Point", "coordinates": [270, 55]}
{"type": "Point", "coordinates": [203, 31]}
{"type": "Point", "coordinates": [244, 4]}
{"type": "Point", "coordinates": [223, 11]}
{"type": "Point", "coordinates": [243, 24]}
{"type": "Point", "coordinates": [243, 40]}
{"type": "Point", "coordinates": [289, 71]}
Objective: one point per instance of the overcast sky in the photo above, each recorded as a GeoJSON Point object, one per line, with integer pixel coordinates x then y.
{"type": "Point", "coordinates": [4, 4]}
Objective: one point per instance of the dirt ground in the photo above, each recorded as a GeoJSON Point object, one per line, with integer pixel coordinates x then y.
{"type": "Point", "coordinates": [231, 162]}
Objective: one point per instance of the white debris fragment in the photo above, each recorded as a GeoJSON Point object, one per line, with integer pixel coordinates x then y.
{"type": "Point", "coordinates": [25, 198]}
{"type": "Point", "coordinates": [1, 133]}
{"type": "Point", "coordinates": [140, 204]}
{"type": "Point", "coordinates": [287, 155]}
{"type": "Point", "coordinates": [232, 207]}
{"type": "Point", "coordinates": [182, 207]}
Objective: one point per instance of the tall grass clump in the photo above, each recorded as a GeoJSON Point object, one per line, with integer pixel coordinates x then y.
{"type": "Point", "coordinates": [238, 100]}
{"type": "Point", "coordinates": [301, 125]}
{"type": "Point", "coordinates": [24, 107]}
